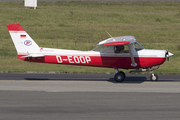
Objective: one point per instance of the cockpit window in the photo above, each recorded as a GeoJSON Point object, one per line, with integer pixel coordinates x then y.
{"type": "Point", "coordinates": [100, 48]}
{"type": "Point", "coordinates": [121, 49]}
{"type": "Point", "coordinates": [138, 46]}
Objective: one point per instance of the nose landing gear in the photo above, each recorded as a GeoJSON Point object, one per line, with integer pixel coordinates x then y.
{"type": "Point", "coordinates": [153, 77]}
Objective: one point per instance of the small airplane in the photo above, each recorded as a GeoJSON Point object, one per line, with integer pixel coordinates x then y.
{"type": "Point", "coordinates": [115, 52]}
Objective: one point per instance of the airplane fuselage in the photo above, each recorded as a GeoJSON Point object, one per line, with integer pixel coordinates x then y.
{"type": "Point", "coordinates": [144, 58]}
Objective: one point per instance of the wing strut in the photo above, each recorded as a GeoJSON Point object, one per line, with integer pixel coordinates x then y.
{"type": "Point", "coordinates": [132, 57]}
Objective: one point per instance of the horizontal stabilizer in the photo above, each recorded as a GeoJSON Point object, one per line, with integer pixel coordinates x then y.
{"type": "Point", "coordinates": [32, 56]}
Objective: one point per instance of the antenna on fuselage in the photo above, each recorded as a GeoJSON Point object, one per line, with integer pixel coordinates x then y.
{"type": "Point", "coordinates": [110, 36]}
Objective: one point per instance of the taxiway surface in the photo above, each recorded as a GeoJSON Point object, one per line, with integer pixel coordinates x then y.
{"type": "Point", "coordinates": [88, 97]}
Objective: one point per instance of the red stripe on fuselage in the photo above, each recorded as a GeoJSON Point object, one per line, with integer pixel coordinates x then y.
{"type": "Point", "coordinates": [98, 61]}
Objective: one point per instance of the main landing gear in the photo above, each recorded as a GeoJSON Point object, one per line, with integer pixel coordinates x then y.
{"type": "Point", "coordinates": [119, 76]}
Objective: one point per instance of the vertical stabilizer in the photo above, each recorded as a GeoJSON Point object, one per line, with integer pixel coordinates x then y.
{"type": "Point", "coordinates": [24, 44]}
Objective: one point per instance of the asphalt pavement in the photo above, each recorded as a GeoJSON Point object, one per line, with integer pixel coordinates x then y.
{"type": "Point", "coordinates": [23, 105]}
{"type": "Point", "coordinates": [27, 96]}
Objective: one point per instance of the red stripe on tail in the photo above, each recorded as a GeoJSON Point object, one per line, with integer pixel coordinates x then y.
{"type": "Point", "coordinates": [15, 27]}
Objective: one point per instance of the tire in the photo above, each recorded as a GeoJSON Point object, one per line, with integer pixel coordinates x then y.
{"type": "Point", "coordinates": [119, 77]}
{"type": "Point", "coordinates": [155, 78]}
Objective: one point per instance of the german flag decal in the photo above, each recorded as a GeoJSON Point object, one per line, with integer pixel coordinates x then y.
{"type": "Point", "coordinates": [23, 36]}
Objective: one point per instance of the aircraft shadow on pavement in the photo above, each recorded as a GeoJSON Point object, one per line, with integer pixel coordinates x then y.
{"type": "Point", "coordinates": [131, 79]}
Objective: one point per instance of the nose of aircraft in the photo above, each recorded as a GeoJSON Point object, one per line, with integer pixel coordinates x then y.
{"type": "Point", "coordinates": [170, 54]}
{"type": "Point", "coordinates": [167, 55]}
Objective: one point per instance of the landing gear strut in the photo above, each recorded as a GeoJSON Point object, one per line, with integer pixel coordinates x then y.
{"type": "Point", "coordinates": [153, 77]}
{"type": "Point", "coordinates": [119, 76]}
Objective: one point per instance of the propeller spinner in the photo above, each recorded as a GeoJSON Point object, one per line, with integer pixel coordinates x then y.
{"type": "Point", "coordinates": [168, 54]}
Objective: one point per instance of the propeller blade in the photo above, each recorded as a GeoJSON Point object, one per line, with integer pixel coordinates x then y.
{"type": "Point", "coordinates": [167, 55]}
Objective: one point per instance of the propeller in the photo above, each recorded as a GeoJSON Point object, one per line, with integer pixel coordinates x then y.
{"type": "Point", "coordinates": [167, 55]}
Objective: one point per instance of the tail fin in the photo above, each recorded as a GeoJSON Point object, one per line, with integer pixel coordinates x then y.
{"type": "Point", "coordinates": [24, 44]}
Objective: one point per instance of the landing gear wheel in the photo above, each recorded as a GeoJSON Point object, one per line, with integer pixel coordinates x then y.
{"type": "Point", "coordinates": [154, 77]}
{"type": "Point", "coordinates": [119, 77]}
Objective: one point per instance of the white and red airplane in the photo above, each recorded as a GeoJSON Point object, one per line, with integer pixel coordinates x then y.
{"type": "Point", "coordinates": [116, 52]}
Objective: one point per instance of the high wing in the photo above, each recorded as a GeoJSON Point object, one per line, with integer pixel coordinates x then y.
{"type": "Point", "coordinates": [121, 40]}
{"type": "Point", "coordinates": [117, 43]}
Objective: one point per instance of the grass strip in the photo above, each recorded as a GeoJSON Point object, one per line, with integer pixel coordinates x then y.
{"type": "Point", "coordinates": [81, 25]}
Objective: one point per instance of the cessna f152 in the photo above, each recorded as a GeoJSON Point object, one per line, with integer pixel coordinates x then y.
{"type": "Point", "coordinates": [116, 52]}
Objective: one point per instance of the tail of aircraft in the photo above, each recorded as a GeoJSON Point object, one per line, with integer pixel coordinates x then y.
{"type": "Point", "coordinates": [24, 44]}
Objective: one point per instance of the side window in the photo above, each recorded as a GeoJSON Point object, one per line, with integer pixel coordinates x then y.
{"type": "Point", "coordinates": [100, 48]}
{"type": "Point", "coordinates": [121, 49]}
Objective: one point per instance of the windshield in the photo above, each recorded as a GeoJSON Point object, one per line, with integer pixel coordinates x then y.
{"type": "Point", "coordinates": [100, 48]}
{"type": "Point", "coordinates": [138, 46]}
